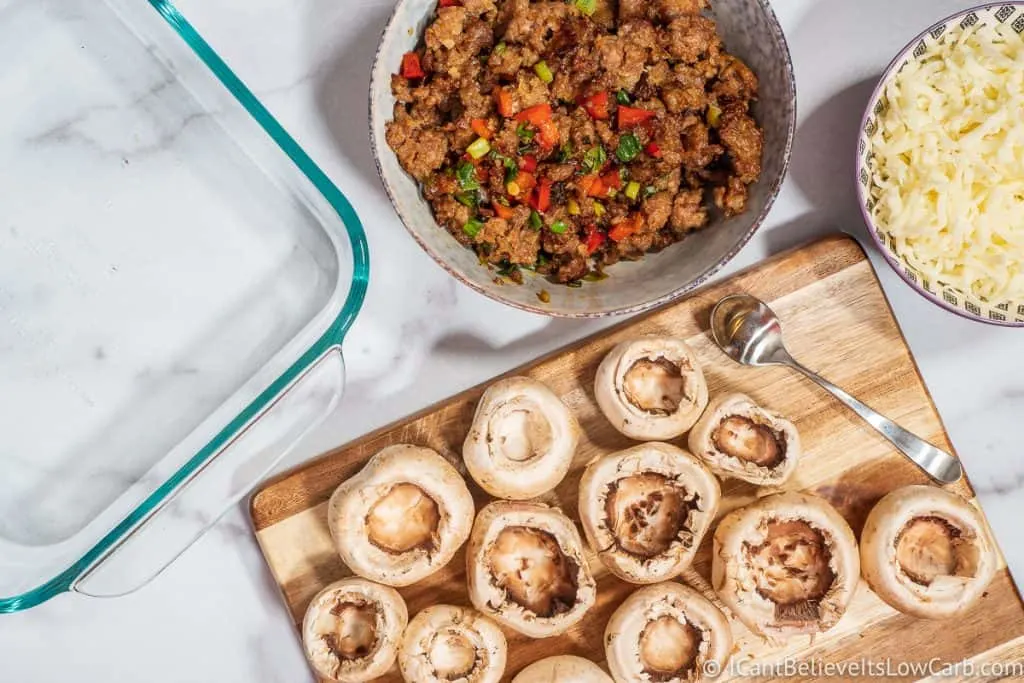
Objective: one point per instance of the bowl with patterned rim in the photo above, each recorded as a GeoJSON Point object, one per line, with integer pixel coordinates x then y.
{"type": "Point", "coordinates": [750, 31]}
{"type": "Point", "coordinates": [949, 297]}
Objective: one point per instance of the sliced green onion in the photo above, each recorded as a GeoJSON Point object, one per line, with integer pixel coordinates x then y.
{"type": "Point", "coordinates": [473, 227]}
{"type": "Point", "coordinates": [565, 153]}
{"type": "Point", "coordinates": [586, 6]}
{"type": "Point", "coordinates": [468, 198]}
{"type": "Point", "coordinates": [594, 159]}
{"type": "Point", "coordinates": [559, 227]}
{"type": "Point", "coordinates": [714, 115]}
{"type": "Point", "coordinates": [466, 174]}
{"type": "Point", "coordinates": [536, 222]}
{"type": "Point", "coordinates": [629, 147]}
{"type": "Point", "coordinates": [622, 97]}
{"type": "Point", "coordinates": [524, 133]}
{"type": "Point", "coordinates": [633, 189]}
{"type": "Point", "coordinates": [650, 191]}
{"type": "Point", "coordinates": [500, 48]}
{"type": "Point", "coordinates": [543, 71]}
{"type": "Point", "coordinates": [479, 148]}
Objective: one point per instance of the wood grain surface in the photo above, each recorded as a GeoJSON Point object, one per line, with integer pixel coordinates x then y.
{"type": "Point", "coordinates": [838, 322]}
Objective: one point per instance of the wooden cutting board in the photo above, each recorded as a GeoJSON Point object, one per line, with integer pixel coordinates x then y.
{"type": "Point", "coordinates": [838, 322]}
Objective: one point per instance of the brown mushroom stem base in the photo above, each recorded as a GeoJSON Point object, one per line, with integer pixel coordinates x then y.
{"type": "Point", "coordinates": [793, 569]}
{"type": "Point", "coordinates": [529, 564]}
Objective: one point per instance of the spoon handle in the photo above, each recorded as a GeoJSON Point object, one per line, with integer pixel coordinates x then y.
{"type": "Point", "coordinates": [936, 463]}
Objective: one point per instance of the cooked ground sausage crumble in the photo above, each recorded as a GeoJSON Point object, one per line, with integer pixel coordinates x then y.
{"type": "Point", "coordinates": [562, 136]}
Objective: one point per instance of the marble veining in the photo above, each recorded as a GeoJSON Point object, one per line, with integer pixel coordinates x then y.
{"type": "Point", "coordinates": [215, 614]}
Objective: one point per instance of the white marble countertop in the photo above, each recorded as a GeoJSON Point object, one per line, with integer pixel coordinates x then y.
{"type": "Point", "coordinates": [215, 615]}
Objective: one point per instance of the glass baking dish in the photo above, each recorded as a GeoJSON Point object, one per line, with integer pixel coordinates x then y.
{"type": "Point", "coordinates": [176, 278]}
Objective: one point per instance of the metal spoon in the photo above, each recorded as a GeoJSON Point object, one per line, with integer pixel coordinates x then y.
{"type": "Point", "coordinates": [750, 333]}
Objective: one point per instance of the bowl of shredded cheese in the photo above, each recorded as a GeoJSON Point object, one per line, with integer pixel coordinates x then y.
{"type": "Point", "coordinates": [941, 164]}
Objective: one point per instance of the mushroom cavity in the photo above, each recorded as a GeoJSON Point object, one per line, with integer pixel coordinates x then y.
{"type": "Point", "coordinates": [562, 669]}
{"type": "Point", "coordinates": [402, 517]}
{"type": "Point", "coordinates": [666, 632]}
{"type": "Point", "coordinates": [526, 568]}
{"type": "Point", "coordinates": [522, 440]}
{"type": "Point", "coordinates": [927, 552]}
{"type": "Point", "coordinates": [651, 389]}
{"type": "Point", "coordinates": [444, 643]}
{"type": "Point", "coordinates": [738, 438]}
{"type": "Point", "coordinates": [786, 564]}
{"type": "Point", "coordinates": [645, 510]}
{"type": "Point", "coordinates": [352, 628]}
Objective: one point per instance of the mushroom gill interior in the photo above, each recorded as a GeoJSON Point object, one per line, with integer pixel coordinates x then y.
{"type": "Point", "coordinates": [452, 655]}
{"type": "Point", "coordinates": [534, 572]}
{"type": "Point", "coordinates": [791, 568]}
{"type": "Point", "coordinates": [349, 629]}
{"type": "Point", "coordinates": [520, 431]}
{"type": "Point", "coordinates": [668, 648]}
{"type": "Point", "coordinates": [655, 385]}
{"type": "Point", "coordinates": [929, 547]}
{"type": "Point", "coordinates": [404, 518]}
{"type": "Point", "coordinates": [647, 512]}
{"type": "Point", "coordinates": [745, 439]}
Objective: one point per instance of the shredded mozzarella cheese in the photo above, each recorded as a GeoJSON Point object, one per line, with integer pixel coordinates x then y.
{"type": "Point", "coordinates": [948, 162]}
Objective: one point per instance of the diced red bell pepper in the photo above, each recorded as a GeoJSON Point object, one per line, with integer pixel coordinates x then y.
{"type": "Point", "coordinates": [596, 105]}
{"type": "Point", "coordinates": [592, 186]}
{"type": "Point", "coordinates": [611, 180]}
{"type": "Point", "coordinates": [595, 238]}
{"type": "Point", "coordinates": [448, 3]}
{"type": "Point", "coordinates": [538, 114]}
{"type": "Point", "coordinates": [504, 100]}
{"type": "Point", "coordinates": [479, 127]}
{"type": "Point", "coordinates": [631, 116]}
{"type": "Point", "coordinates": [548, 135]}
{"type": "Point", "coordinates": [411, 67]}
{"type": "Point", "coordinates": [630, 226]}
{"type": "Point", "coordinates": [653, 149]}
{"type": "Point", "coordinates": [503, 211]}
{"type": "Point", "coordinates": [529, 164]}
{"type": "Point", "coordinates": [540, 199]}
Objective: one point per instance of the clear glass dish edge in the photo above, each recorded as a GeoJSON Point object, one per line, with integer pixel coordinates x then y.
{"type": "Point", "coordinates": [331, 338]}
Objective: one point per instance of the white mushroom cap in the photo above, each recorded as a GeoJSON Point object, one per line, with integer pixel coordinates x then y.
{"type": "Point", "coordinates": [927, 552]}
{"type": "Point", "coordinates": [669, 493]}
{"type": "Point", "coordinates": [562, 669]}
{"type": "Point", "coordinates": [794, 545]}
{"type": "Point", "coordinates": [351, 630]}
{"type": "Point", "coordinates": [734, 425]}
{"type": "Point", "coordinates": [445, 644]}
{"type": "Point", "coordinates": [666, 632]}
{"type": "Point", "coordinates": [652, 388]}
{"type": "Point", "coordinates": [410, 495]}
{"type": "Point", "coordinates": [526, 569]}
{"type": "Point", "coordinates": [522, 440]}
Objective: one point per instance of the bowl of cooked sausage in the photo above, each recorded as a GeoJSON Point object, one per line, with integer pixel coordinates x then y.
{"type": "Point", "coordinates": [582, 157]}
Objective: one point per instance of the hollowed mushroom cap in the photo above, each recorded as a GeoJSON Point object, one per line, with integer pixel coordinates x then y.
{"type": "Point", "coordinates": [666, 632]}
{"type": "Point", "coordinates": [646, 509]}
{"type": "Point", "coordinates": [402, 517]}
{"type": "Point", "coordinates": [444, 643]}
{"type": "Point", "coordinates": [526, 569]}
{"type": "Point", "coordinates": [737, 438]}
{"type": "Point", "coordinates": [562, 669]}
{"type": "Point", "coordinates": [351, 630]}
{"type": "Point", "coordinates": [652, 388]}
{"type": "Point", "coordinates": [522, 440]}
{"type": "Point", "coordinates": [927, 552]}
{"type": "Point", "coordinates": [785, 565]}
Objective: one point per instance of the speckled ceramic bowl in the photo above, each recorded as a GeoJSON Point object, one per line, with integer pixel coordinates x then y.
{"type": "Point", "coordinates": [1006, 313]}
{"type": "Point", "coordinates": [751, 32]}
